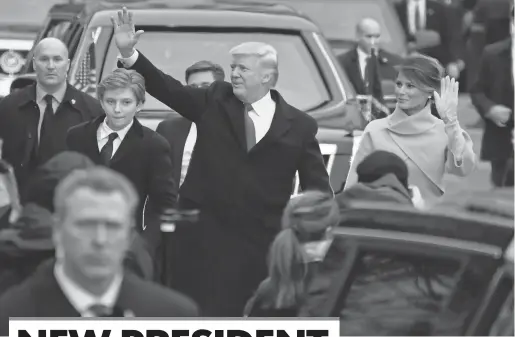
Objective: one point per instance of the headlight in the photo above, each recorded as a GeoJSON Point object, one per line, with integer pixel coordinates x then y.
{"type": "Point", "coordinates": [11, 62]}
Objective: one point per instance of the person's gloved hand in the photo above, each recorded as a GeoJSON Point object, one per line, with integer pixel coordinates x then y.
{"type": "Point", "coordinates": [447, 101]}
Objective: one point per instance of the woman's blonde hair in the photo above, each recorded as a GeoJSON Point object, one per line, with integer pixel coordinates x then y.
{"type": "Point", "coordinates": [306, 218]}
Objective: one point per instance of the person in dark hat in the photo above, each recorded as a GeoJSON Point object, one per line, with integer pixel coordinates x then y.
{"type": "Point", "coordinates": [382, 176]}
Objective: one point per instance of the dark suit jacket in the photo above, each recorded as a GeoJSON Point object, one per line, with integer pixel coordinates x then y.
{"type": "Point", "coordinates": [175, 130]}
{"type": "Point", "coordinates": [222, 176]}
{"type": "Point", "coordinates": [41, 296]}
{"type": "Point", "coordinates": [441, 19]}
{"type": "Point", "coordinates": [241, 193]}
{"type": "Point", "coordinates": [19, 116]}
{"type": "Point", "coordinates": [350, 63]}
{"type": "Point", "coordinates": [494, 85]}
{"type": "Point", "coordinates": [144, 158]}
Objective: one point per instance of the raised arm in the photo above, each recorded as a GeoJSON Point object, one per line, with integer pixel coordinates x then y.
{"type": "Point", "coordinates": [189, 102]}
{"type": "Point", "coordinates": [461, 159]}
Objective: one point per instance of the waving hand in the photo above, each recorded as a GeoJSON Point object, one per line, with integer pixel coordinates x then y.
{"type": "Point", "coordinates": [125, 35]}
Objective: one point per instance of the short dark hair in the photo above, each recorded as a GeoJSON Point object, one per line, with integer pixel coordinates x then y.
{"type": "Point", "coordinates": [200, 66]}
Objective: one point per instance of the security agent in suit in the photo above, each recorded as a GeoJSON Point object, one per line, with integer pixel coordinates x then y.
{"type": "Point", "coordinates": [180, 132]}
{"type": "Point", "coordinates": [492, 95]}
{"type": "Point", "coordinates": [181, 246]}
{"type": "Point", "coordinates": [250, 143]}
{"type": "Point", "coordinates": [418, 15]}
{"type": "Point", "coordinates": [34, 120]}
{"type": "Point", "coordinates": [95, 211]}
{"type": "Point", "coordinates": [119, 141]}
{"type": "Point", "coordinates": [368, 65]}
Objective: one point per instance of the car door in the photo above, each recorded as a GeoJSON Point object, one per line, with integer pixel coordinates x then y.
{"type": "Point", "coordinates": [398, 283]}
{"type": "Point", "coordinates": [495, 316]}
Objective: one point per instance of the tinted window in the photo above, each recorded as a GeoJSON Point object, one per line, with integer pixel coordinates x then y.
{"type": "Point", "coordinates": [57, 29]}
{"type": "Point", "coordinates": [300, 82]}
{"type": "Point", "coordinates": [405, 294]}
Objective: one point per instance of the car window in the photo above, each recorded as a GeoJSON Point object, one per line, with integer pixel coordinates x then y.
{"type": "Point", "coordinates": [404, 294]}
{"type": "Point", "coordinates": [57, 29]}
{"type": "Point", "coordinates": [86, 71]}
{"type": "Point", "coordinates": [300, 81]}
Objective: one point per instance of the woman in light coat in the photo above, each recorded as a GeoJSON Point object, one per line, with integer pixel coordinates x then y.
{"type": "Point", "coordinates": [430, 146]}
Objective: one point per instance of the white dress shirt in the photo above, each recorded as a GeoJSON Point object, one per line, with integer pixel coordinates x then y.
{"type": "Point", "coordinates": [413, 7]}
{"type": "Point", "coordinates": [262, 114]}
{"type": "Point", "coordinates": [362, 60]}
{"type": "Point", "coordinates": [80, 298]}
{"type": "Point", "coordinates": [188, 150]}
{"type": "Point", "coordinates": [104, 131]}
{"type": "Point", "coordinates": [58, 97]}
{"type": "Point", "coordinates": [129, 61]}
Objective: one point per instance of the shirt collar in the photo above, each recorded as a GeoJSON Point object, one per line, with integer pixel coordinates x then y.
{"type": "Point", "coordinates": [264, 105]}
{"type": "Point", "coordinates": [361, 54]}
{"type": "Point", "coordinates": [81, 299]}
{"type": "Point", "coordinates": [58, 95]}
{"type": "Point", "coordinates": [105, 130]}
{"type": "Point", "coordinates": [417, 2]}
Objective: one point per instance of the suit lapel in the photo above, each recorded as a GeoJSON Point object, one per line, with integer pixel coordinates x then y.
{"type": "Point", "coordinates": [281, 122]}
{"type": "Point", "coordinates": [91, 141]}
{"type": "Point", "coordinates": [129, 143]}
{"type": "Point", "coordinates": [234, 109]}
{"type": "Point", "coordinates": [355, 72]}
{"type": "Point", "coordinates": [49, 293]}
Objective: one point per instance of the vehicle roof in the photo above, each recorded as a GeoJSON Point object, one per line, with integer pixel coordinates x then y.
{"type": "Point", "coordinates": [444, 222]}
{"type": "Point", "coordinates": [210, 15]}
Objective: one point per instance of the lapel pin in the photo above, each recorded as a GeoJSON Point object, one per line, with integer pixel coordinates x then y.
{"type": "Point", "coordinates": [73, 101]}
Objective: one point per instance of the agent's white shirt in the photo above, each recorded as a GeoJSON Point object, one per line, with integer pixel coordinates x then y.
{"type": "Point", "coordinates": [58, 97]}
{"type": "Point", "coordinates": [413, 7]}
{"type": "Point", "coordinates": [188, 150]}
{"type": "Point", "coordinates": [80, 298]}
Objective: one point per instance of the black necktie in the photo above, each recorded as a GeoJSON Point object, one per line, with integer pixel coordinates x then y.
{"type": "Point", "coordinates": [48, 118]}
{"type": "Point", "coordinates": [100, 310]}
{"type": "Point", "coordinates": [372, 79]}
{"type": "Point", "coordinates": [45, 149]}
{"type": "Point", "coordinates": [107, 150]}
{"type": "Point", "coordinates": [250, 130]}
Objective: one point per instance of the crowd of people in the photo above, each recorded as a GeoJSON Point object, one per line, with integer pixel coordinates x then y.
{"type": "Point", "coordinates": [94, 183]}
